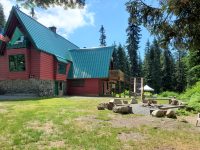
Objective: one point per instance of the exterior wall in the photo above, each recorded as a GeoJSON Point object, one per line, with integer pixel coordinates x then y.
{"type": "Point", "coordinates": [30, 86]}
{"type": "Point", "coordinates": [34, 63]}
{"type": "Point", "coordinates": [4, 67]}
{"type": "Point", "coordinates": [61, 77]}
{"type": "Point", "coordinates": [46, 66]}
{"type": "Point", "coordinates": [91, 87]}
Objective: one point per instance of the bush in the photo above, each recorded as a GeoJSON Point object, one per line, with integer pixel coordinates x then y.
{"type": "Point", "coordinates": [190, 92]}
{"type": "Point", "coordinates": [168, 94]}
{"type": "Point", "coordinates": [195, 102]}
{"type": "Point", "coordinates": [182, 112]}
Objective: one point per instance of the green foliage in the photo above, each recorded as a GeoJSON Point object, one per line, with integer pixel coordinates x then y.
{"type": "Point", "coordinates": [190, 92]}
{"type": "Point", "coordinates": [133, 34]}
{"type": "Point", "coordinates": [2, 17]}
{"type": "Point", "coordinates": [48, 3]}
{"type": "Point", "coordinates": [195, 102]}
{"type": "Point", "coordinates": [168, 94]}
{"type": "Point", "coordinates": [102, 38]}
{"type": "Point", "coordinates": [182, 112]}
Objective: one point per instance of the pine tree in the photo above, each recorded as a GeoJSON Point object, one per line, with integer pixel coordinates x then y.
{"type": "Point", "coordinates": [156, 66]}
{"type": "Point", "coordinates": [167, 70]}
{"type": "Point", "coordinates": [146, 64]}
{"type": "Point", "coordinates": [115, 58]}
{"type": "Point", "coordinates": [140, 71]}
{"type": "Point", "coordinates": [180, 71]}
{"type": "Point", "coordinates": [133, 31]}
{"type": "Point", "coordinates": [102, 36]}
{"type": "Point", "coordinates": [2, 17]}
{"type": "Point", "coordinates": [121, 58]}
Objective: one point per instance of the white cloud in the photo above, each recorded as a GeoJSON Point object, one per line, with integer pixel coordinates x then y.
{"type": "Point", "coordinates": [66, 21]}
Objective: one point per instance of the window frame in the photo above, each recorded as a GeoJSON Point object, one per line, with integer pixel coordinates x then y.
{"type": "Point", "coordinates": [16, 63]}
{"type": "Point", "coordinates": [64, 68]}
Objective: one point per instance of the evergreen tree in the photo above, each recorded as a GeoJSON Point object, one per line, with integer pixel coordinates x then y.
{"type": "Point", "coordinates": [146, 64]}
{"type": "Point", "coordinates": [167, 70]}
{"type": "Point", "coordinates": [2, 17]}
{"type": "Point", "coordinates": [133, 31]}
{"type": "Point", "coordinates": [121, 58]}
{"type": "Point", "coordinates": [175, 23]}
{"type": "Point", "coordinates": [115, 58]}
{"type": "Point", "coordinates": [180, 71]}
{"type": "Point", "coordinates": [102, 36]}
{"type": "Point", "coordinates": [156, 66]}
{"type": "Point", "coordinates": [140, 71]}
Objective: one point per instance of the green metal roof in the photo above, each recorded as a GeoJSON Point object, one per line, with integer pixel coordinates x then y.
{"type": "Point", "coordinates": [90, 63]}
{"type": "Point", "coordinates": [43, 38]}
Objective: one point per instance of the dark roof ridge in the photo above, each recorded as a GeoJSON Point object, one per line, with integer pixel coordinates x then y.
{"type": "Point", "coordinates": [16, 9]}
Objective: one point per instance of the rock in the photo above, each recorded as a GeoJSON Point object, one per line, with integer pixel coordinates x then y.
{"type": "Point", "coordinates": [125, 102]}
{"type": "Point", "coordinates": [122, 109]}
{"type": "Point", "coordinates": [110, 105]}
{"type": "Point", "coordinates": [133, 101]}
{"type": "Point", "coordinates": [174, 102]}
{"type": "Point", "coordinates": [158, 113]}
{"type": "Point", "coordinates": [101, 106]}
{"type": "Point", "coordinates": [171, 113]}
{"type": "Point", "coordinates": [116, 101]}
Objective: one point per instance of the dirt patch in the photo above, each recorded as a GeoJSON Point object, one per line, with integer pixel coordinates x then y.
{"type": "Point", "coordinates": [87, 123]}
{"type": "Point", "coordinates": [132, 136]}
{"type": "Point", "coordinates": [47, 127]}
{"type": "Point", "coordinates": [3, 111]}
{"type": "Point", "coordinates": [57, 144]}
{"type": "Point", "coordinates": [163, 123]}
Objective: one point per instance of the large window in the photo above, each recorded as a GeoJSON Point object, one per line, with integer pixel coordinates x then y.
{"type": "Point", "coordinates": [61, 68]}
{"type": "Point", "coordinates": [17, 62]}
{"type": "Point", "coordinates": [78, 83]}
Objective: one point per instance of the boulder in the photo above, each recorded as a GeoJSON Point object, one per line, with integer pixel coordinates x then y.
{"type": "Point", "coordinates": [174, 102]}
{"type": "Point", "coordinates": [158, 113]}
{"type": "Point", "coordinates": [133, 101]}
{"type": "Point", "coordinates": [125, 102]}
{"type": "Point", "coordinates": [122, 109]}
{"type": "Point", "coordinates": [101, 106]}
{"type": "Point", "coordinates": [110, 105]}
{"type": "Point", "coordinates": [116, 101]}
{"type": "Point", "coordinates": [171, 113]}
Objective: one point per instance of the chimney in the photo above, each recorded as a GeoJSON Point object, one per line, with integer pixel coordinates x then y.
{"type": "Point", "coordinates": [53, 28]}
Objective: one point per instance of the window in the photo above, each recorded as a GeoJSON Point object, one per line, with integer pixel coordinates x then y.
{"type": "Point", "coordinates": [17, 62]}
{"type": "Point", "coordinates": [77, 83]}
{"type": "Point", "coordinates": [61, 68]}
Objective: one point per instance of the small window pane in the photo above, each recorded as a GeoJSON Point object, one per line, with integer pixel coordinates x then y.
{"type": "Point", "coordinates": [62, 68]}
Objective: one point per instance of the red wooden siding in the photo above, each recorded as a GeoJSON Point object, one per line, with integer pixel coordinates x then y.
{"type": "Point", "coordinates": [61, 77]}
{"type": "Point", "coordinates": [35, 63]}
{"type": "Point", "coordinates": [39, 65]}
{"type": "Point", "coordinates": [4, 68]}
{"type": "Point", "coordinates": [91, 87]}
{"type": "Point", "coordinates": [46, 66]}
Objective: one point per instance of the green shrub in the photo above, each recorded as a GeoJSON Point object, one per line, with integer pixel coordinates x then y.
{"type": "Point", "coordinates": [182, 112]}
{"type": "Point", "coordinates": [195, 102]}
{"type": "Point", "coordinates": [168, 94]}
{"type": "Point", "coordinates": [190, 92]}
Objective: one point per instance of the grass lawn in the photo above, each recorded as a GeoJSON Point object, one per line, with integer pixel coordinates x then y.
{"type": "Point", "coordinates": [75, 123]}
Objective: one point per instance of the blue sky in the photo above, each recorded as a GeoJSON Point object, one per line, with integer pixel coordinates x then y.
{"type": "Point", "coordinates": [113, 16]}
{"type": "Point", "coordinates": [81, 26]}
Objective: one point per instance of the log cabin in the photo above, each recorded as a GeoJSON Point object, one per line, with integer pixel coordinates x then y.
{"type": "Point", "coordinates": [39, 61]}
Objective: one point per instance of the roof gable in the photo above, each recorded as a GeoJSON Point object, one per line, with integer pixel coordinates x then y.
{"type": "Point", "coordinates": [90, 63]}
{"type": "Point", "coordinates": [42, 37]}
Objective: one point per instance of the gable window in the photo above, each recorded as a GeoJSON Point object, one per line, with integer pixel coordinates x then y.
{"type": "Point", "coordinates": [61, 68]}
{"type": "Point", "coordinates": [17, 63]}
{"type": "Point", "coordinates": [78, 83]}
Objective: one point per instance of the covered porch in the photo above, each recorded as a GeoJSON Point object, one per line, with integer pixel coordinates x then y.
{"type": "Point", "coordinates": [114, 83]}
